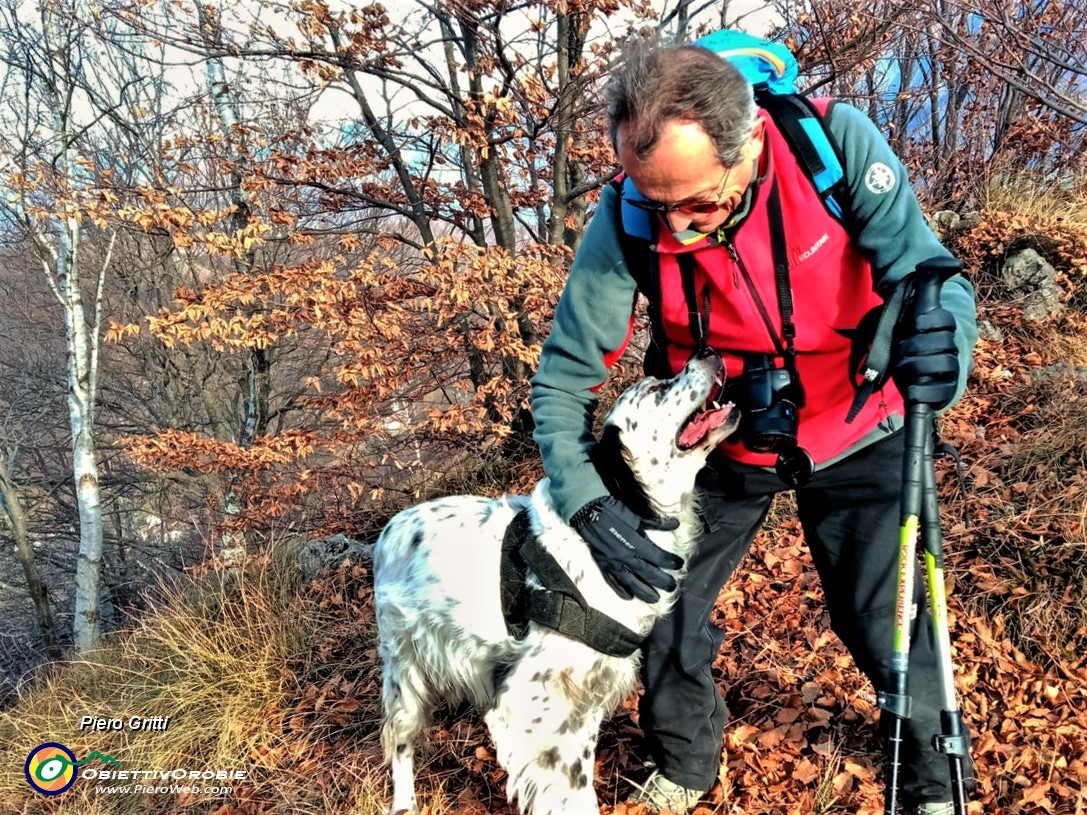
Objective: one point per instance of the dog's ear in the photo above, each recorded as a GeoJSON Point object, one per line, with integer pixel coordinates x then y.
{"type": "Point", "coordinates": [607, 456]}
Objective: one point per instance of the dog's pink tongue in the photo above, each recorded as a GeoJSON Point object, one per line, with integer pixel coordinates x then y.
{"type": "Point", "coordinates": [702, 424]}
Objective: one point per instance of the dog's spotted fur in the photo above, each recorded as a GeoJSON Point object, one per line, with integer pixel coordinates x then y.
{"type": "Point", "coordinates": [439, 611]}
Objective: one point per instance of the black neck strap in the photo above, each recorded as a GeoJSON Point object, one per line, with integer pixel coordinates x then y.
{"type": "Point", "coordinates": [699, 317]}
{"type": "Point", "coordinates": [781, 270]}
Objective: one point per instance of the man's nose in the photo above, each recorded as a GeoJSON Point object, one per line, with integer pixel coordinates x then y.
{"type": "Point", "coordinates": [678, 220]}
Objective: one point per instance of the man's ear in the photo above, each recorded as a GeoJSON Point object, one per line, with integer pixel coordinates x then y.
{"type": "Point", "coordinates": [753, 148]}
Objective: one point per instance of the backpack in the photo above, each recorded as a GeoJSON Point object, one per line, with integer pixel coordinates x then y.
{"type": "Point", "coordinates": [772, 71]}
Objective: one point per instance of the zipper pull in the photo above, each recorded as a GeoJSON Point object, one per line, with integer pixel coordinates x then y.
{"type": "Point", "coordinates": [885, 421]}
{"type": "Point", "coordinates": [732, 253]}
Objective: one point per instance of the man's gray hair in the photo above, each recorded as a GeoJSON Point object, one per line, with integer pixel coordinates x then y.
{"type": "Point", "coordinates": [655, 83]}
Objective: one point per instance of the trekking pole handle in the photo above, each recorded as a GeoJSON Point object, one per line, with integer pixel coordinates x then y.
{"type": "Point", "coordinates": [924, 290]}
{"type": "Point", "coordinates": [927, 281]}
{"type": "Point", "coordinates": [929, 278]}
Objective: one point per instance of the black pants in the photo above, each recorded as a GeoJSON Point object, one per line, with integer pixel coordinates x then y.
{"type": "Point", "coordinates": [850, 516]}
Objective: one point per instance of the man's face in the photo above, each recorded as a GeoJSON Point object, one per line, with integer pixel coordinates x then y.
{"type": "Point", "coordinates": [684, 180]}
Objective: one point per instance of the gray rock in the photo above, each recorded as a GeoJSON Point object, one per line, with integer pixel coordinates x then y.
{"type": "Point", "coordinates": [969, 220]}
{"type": "Point", "coordinates": [320, 556]}
{"type": "Point", "coordinates": [1026, 270]}
{"type": "Point", "coordinates": [989, 332]}
{"type": "Point", "coordinates": [1030, 275]}
{"type": "Point", "coordinates": [1060, 372]}
{"type": "Point", "coordinates": [945, 221]}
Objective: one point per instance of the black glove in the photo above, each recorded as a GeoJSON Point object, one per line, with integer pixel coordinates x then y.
{"type": "Point", "coordinates": [631, 563]}
{"type": "Point", "coordinates": [926, 368]}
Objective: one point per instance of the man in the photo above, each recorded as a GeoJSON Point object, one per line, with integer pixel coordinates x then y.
{"type": "Point", "coordinates": [716, 175]}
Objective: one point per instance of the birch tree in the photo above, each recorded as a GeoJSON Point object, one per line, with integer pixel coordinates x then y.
{"type": "Point", "coordinates": [51, 176]}
{"type": "Point", "coordinates": [50, 187]}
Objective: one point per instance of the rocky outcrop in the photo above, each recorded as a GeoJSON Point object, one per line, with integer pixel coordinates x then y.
{"type": "Point", "coordinates": [320, 556]}
{"type": "Point", "coordinates": [1032, 280]}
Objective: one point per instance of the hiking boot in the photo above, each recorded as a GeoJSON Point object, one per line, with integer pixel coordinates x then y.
{"type": "Point", "coordinates": [936, 808]}
{"type": "Point", "coordinates": [659, 793]}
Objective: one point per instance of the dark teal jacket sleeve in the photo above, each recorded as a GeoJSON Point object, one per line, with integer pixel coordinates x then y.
{"type": "Point", "coordinates": [592, 320]}
{"type": "Point", "coordinates": [888, 226]}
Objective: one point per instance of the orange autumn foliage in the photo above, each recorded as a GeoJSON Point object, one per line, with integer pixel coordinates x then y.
{"type": "Point", "coordinates": [419, 355]}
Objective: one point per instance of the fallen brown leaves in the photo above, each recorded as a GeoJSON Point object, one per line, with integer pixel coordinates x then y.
{"type": "Point", "coordinates": [802, 738]}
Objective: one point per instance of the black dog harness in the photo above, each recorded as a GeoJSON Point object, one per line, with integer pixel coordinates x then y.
{"type": "Point", "coordinates": [559, 605]}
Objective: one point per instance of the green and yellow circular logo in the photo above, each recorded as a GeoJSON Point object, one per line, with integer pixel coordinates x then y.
{"type": "Point", "coordinates": [50, 768]}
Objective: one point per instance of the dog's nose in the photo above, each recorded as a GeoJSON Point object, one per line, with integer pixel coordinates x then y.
{"type": "Point", "coordinates": [711, 361]}
{"type": "Point", "coordinates": [706, 353]}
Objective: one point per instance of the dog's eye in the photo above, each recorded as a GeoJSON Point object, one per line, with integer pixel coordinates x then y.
{"type": "Point", "coordinates": [659, 388]}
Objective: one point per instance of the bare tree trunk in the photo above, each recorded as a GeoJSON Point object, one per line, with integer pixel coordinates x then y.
{"type": "Point", "coordinates": [491, 172]}
{"type": "Point", "coordinates": [475, 226]}
{"type": "Point", "coordinates": [256, 388]}
{"type": "Point", "coordinates": [15, 519]}
{"type": "Point", "coordinates": [1011, 103]}
{"type": "Point", "coordinates": [904, 106]}
{"type": "Point", "coordinates": [400, 164]}
{"type": "Point", "coordinates": [564, 128]}
{"type": "Point", "coordinates": [82, 395]}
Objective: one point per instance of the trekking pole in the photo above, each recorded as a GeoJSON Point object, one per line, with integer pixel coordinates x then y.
{"type": "Point", "coordinates": [919, 509]}
{"type": "Point", "coordinates": [896, 701]}
{"type": "Point", "coordinates": [952, 742]}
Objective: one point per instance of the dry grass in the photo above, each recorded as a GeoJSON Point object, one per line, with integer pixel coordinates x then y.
{"type": "Point", "coordinates": [1024, 211]}
{"type": "Point", "coordinates": [211, 656]}
{"type": "Point", "coordinates": [825, 797]}
{"type": "Point", "coordinates": [1044, 201]}
{"type": "Point", "coordinates": [1028, 519]}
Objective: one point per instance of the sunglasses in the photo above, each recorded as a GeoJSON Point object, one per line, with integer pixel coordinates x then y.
{"type": "Point", "coordinates": [692, 208]}
{"type": "Point", "coordinates": [688, 207]}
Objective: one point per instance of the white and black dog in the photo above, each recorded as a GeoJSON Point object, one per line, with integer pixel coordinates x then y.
{"type": "Point", "coordinates": [442, 632]}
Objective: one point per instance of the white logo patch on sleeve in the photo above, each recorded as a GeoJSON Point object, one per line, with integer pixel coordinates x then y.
{"type": "Point", "coordinates": [880, 178]}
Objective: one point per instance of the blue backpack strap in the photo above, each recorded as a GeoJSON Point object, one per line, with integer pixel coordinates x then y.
{"type": "Point", "coordinates": [806, 133]}
{"type": "Point", "coordinates": [638, 223]}
{"type": "Point", "coordinates": [637, 230]}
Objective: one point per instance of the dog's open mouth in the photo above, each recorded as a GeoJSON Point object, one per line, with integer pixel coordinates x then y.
{"type": "Point", "coordinates": [701, 424]}
{"type": "Point", "coordinates": [709, 417]}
